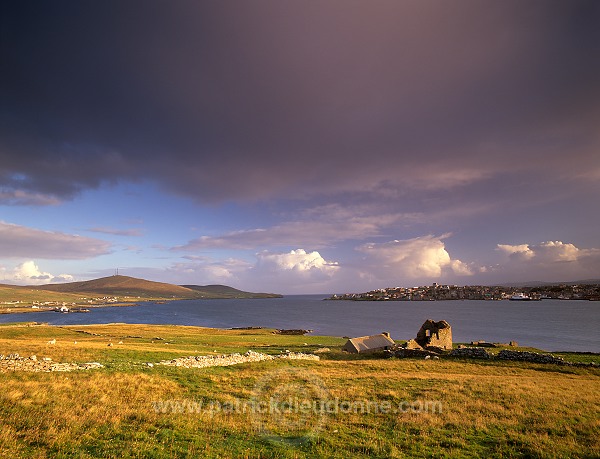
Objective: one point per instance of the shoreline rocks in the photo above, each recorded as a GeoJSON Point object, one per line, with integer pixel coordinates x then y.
{"type": "Point", "coordinates": [295, 331]}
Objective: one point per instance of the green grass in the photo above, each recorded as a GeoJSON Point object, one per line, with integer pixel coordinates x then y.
{"type": "Point", "coordinates": [27, 296]}
{"type": "Point", "coordinates": [488, 408]}
{"type": "Point", "coordinates": [126, 289]}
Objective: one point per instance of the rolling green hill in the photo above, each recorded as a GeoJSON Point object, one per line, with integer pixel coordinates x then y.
{"type": "Point", "coordinates": [125, 286]}
{"type": "Point", "coordinates": [223, 291]}
{"type": "Point", "coordinates": [122, 286]}
{"type": "Point", "coordinates": [28, 295]}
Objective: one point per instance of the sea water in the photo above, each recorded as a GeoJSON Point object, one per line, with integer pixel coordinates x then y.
{"type": "Point", "coordinates": [553, 325]}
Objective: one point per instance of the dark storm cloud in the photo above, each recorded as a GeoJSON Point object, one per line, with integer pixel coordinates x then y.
{"type": "Point", "coordinates": [230, 100]}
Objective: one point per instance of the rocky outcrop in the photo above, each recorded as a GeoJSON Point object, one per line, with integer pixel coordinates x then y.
{"type": "Point", "coordinates": [291, 332]}
{"type": "Point", "coordinates": [233, 359]}
{"type": "Point", "coordinates": [14, 362]}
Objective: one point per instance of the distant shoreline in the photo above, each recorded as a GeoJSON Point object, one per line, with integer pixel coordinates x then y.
{"type": "Point", "coordinates": [437, 292]}
{"type": "Point", "coordinates": [28, 309]}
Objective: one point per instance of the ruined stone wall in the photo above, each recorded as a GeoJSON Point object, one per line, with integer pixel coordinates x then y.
{"type": "Point", "coordinates": [435, 334]}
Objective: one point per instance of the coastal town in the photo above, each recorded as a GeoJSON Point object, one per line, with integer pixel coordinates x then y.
{"type": "Point", "coordinates": [60, 306]}
{"type": "Point", "coordinates": [438, 292]}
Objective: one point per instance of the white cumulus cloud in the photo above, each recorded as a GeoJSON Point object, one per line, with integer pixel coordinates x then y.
{"type": "Point", "coordinates": [422, 257]}
{"type": "Point", "coordinates": [28, 273]}
{"type": "Point", "coordinates": [517, 251]}
{"type": "Point", "coordinates": [550, 260]}
{"type": "Point", "coordinates": [296, 260]}
{"type": "Point", "coordinates": [296, 271]}
{"type": "Point", "coordinates": [545, 252]}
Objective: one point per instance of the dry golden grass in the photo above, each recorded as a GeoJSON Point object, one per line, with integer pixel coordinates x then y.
{"type": "Point", "coordinates": [488, 409]}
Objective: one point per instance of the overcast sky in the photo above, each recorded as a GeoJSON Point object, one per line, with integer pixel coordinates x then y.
{"type": "Point", "coordinates": [300, 146]}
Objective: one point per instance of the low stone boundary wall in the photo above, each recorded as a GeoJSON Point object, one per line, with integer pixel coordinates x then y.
{"type": "Point", "coordinates": [203, 361]}
{"type": "Point", "coordinates": [471, 353]}
{"type": "Point", "coordinates": [524, 356]}
{"type": "Point", "coordinates": [14, 362]}
{"type": "Point", "coordinates": [482, 353]}
{"type": "Point", "coordinates": [515, 356]}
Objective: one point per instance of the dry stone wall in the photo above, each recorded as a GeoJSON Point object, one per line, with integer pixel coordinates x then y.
{"type": "Point", "coordinates": [525, 356]}
{"type": "Point", "coordinates": [233, 359]}
{"type": "Point", "coordinates": [14, 362]}
{"type": "Point", "coordinates": [471, 353]}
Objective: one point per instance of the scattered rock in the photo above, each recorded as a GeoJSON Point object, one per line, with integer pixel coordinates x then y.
{"type": "Point", "coordinates": [321, 350]}
{"type": "Point", "coordinates": [52, 341]}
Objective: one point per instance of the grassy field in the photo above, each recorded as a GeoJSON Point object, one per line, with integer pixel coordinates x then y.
{"type": "Point", "coordinates": [342, 406]}
{"type": "Point", "coordinates": [26, 296]}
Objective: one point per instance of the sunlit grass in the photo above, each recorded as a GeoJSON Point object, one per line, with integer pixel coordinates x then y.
{"type": "Point", "coordinates": [488, 409]}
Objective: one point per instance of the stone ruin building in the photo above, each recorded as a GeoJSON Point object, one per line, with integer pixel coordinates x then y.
{"type": "Point", "coordinates": [437, 335]}
{"type": "Point", "coordinates": [433, 339]}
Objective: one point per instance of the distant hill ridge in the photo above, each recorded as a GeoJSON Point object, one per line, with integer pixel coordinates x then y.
{"type": "Point", "coordinates": [131, 286]}
{"type": "Point", "coordinates": [229, 292]}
